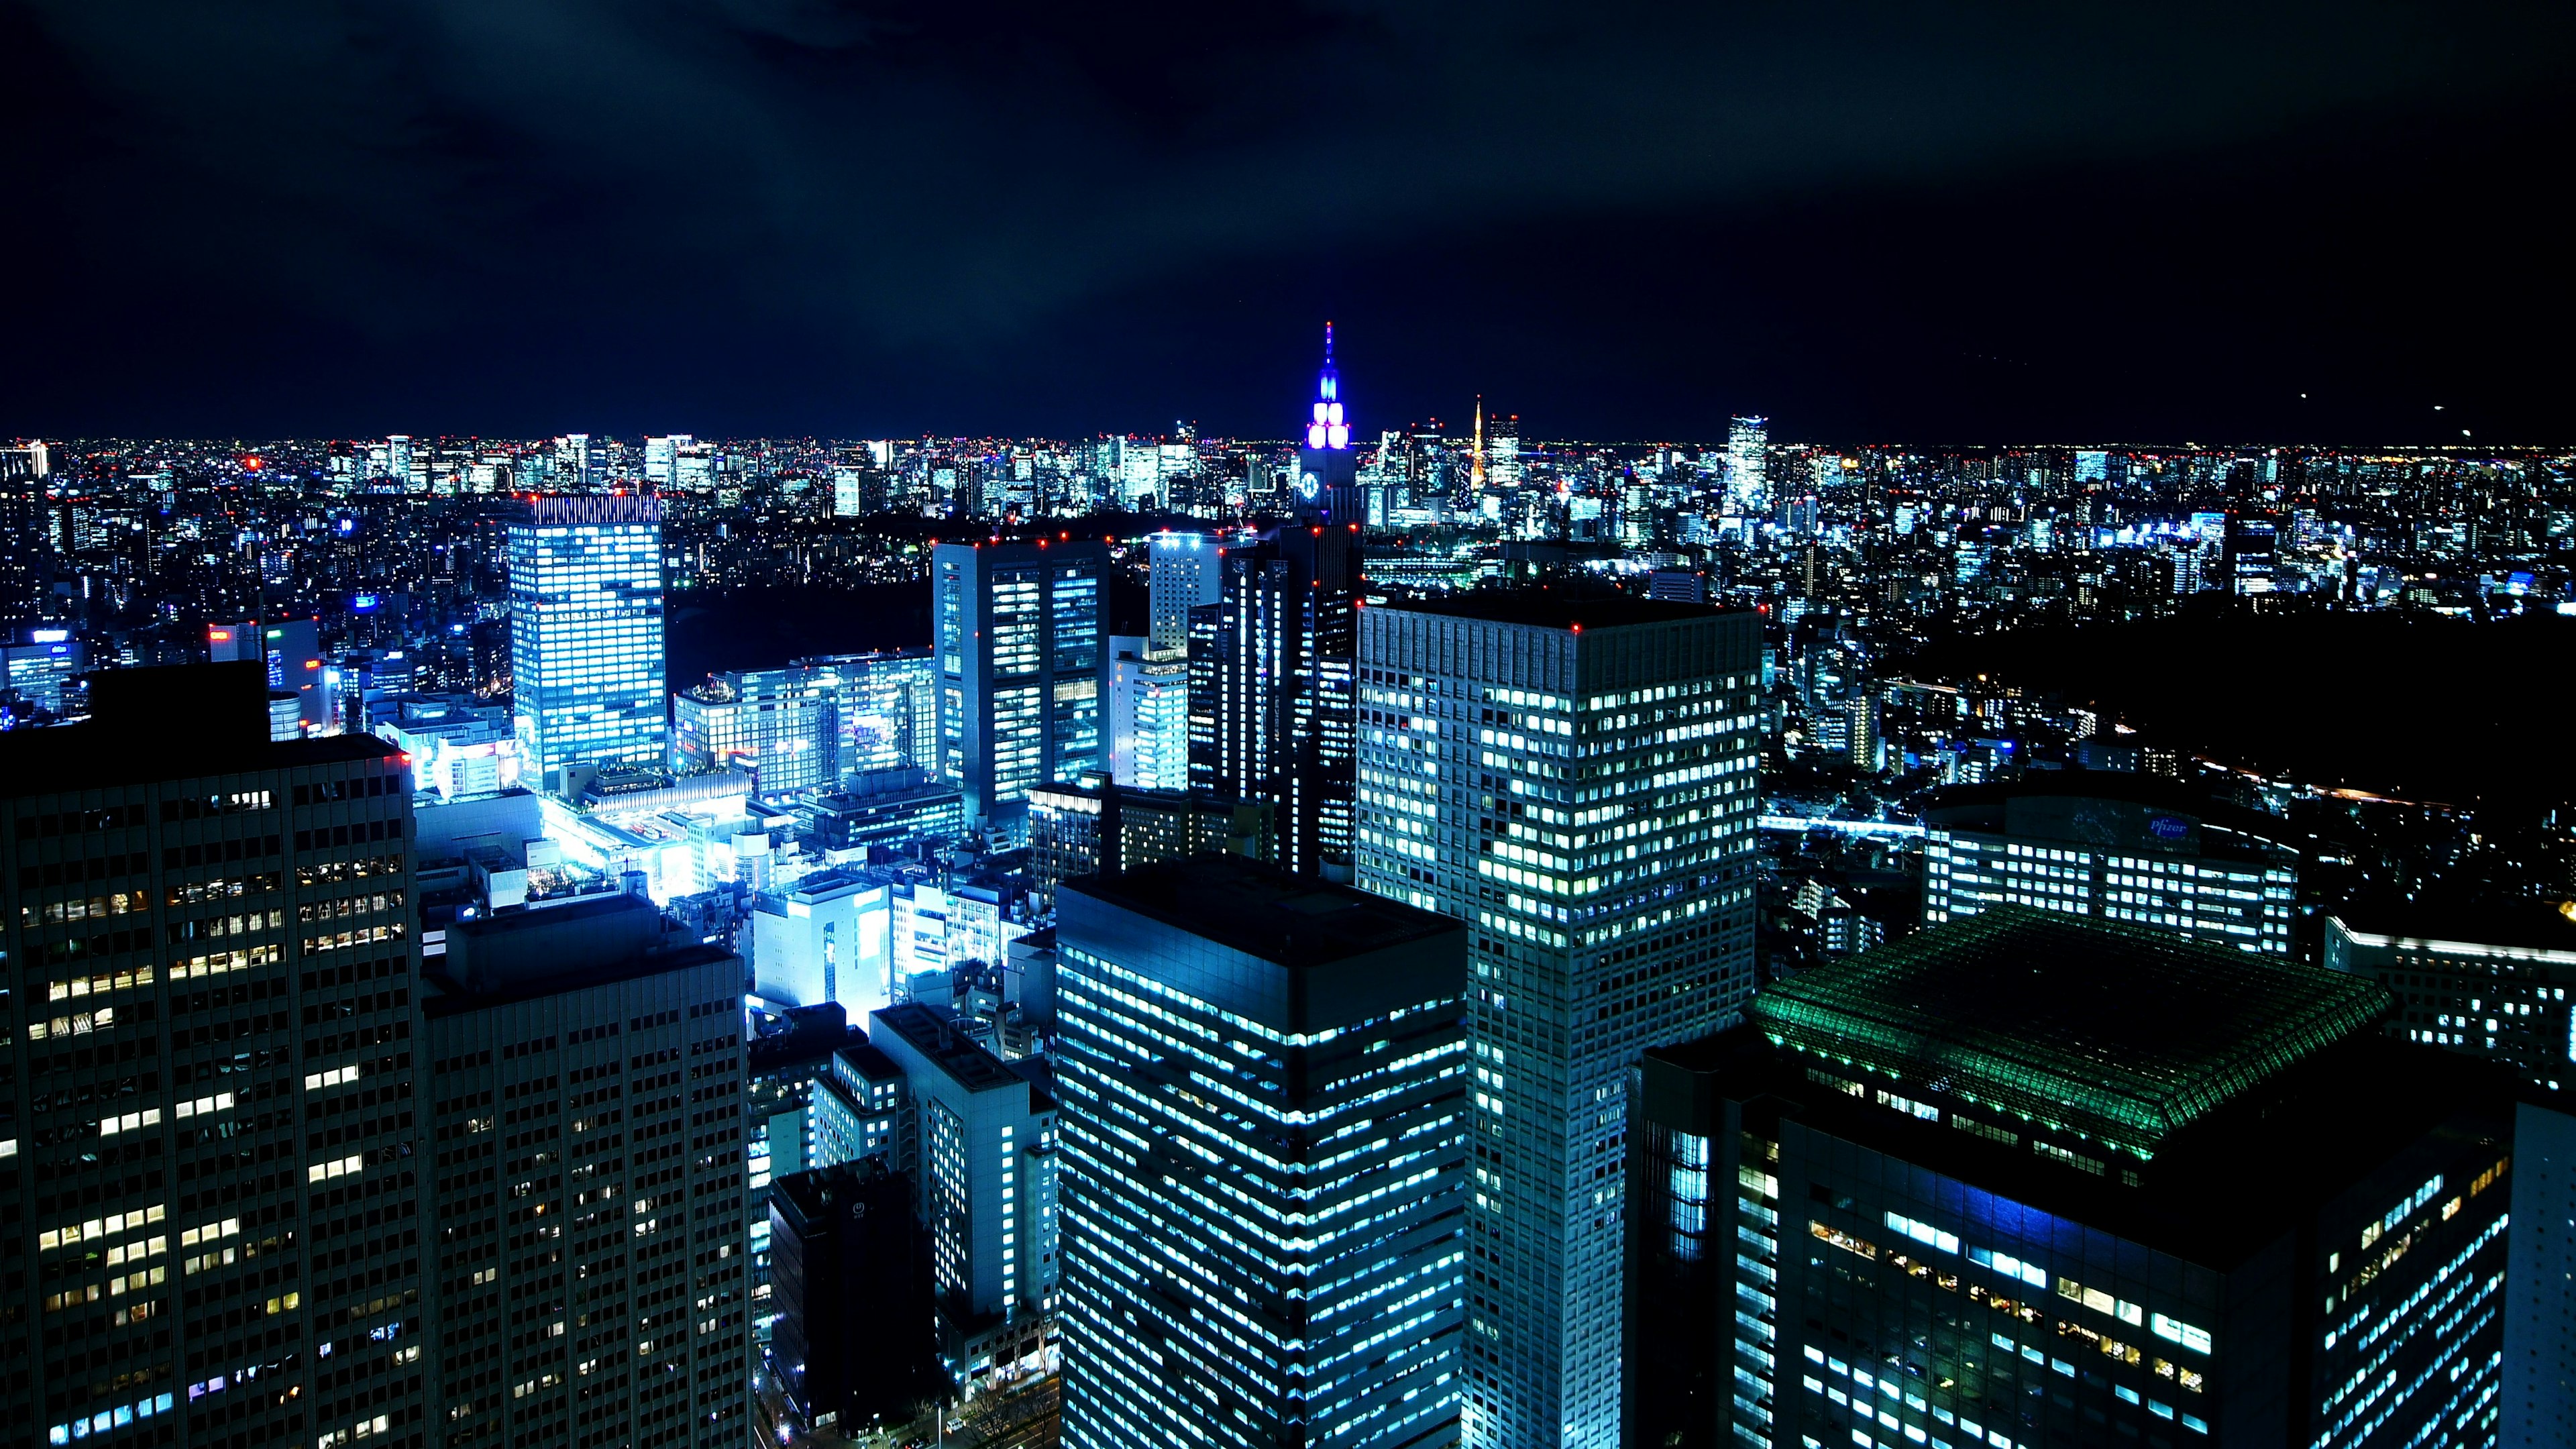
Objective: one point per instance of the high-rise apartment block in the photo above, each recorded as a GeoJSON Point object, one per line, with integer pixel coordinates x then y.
{"type": "Point", "coordinates": [1271, 688]}
{"type": "Point", "coordinates": [212, 1179]}
{"type": "Point", "coordinates": [1266, 1190]}
{"type": "Point", "coordinates": [1574, 778]}
{"type": "Point", "coordinates": [1022, 640]}
{"type": "Point", "coordinates": [2117, 847]}
{"type": "Point", "coordinates": [586, 1106]}
{"type": "Point", "coordinates": [985, 1187]}
{"type": "Point", "coordinates": [586, 634]}
{"type": "Point", "coordinates": [2026, 1180]}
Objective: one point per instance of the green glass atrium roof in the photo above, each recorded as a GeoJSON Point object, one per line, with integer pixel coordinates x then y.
{"type": "Point", "coordinates": [2119, 1033]}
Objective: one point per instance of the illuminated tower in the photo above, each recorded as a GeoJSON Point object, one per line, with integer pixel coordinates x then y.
{"type": "Point", "coordinates": [1327, 469]}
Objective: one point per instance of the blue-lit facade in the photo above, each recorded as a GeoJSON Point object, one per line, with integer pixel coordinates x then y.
{"type": "Point", "coordinates": [1819, 1258]}
{"type": "Point", "coordinates": [586, 634]}
{"type": "Point", "coordinates": [1264, 1190]}
{"type": "Point", "coordinates": [885, 709]}
{"type": "Point", "coordinates": [1021, 632]}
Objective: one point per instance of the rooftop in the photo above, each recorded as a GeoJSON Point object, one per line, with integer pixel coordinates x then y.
{"type": "Point", "coordinates": [936, 1036]}
{"type": "Point", "coordinates": [2520, 925]}
{"type": "Point", "coordinates": [2119, 1033]}
{"type": "Point", "coordinates": [1263, 911]}
{"type": "Point", "coordinates": [1555, 607]}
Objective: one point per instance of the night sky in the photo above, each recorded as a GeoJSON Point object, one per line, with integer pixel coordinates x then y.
{"type": "Point", "coordinates": [1883, 220]}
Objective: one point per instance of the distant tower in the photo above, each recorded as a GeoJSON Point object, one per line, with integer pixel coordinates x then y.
{"type": "Point", "coordinates": [1748, 451]}
{"type": "Point", "coordinates": [1478, 466]}
{"type": "Point", "coordinates": [1327, 469]}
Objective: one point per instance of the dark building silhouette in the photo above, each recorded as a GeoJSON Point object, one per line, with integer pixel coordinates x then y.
{"type": "Point", "coordinates": [856, 1339]}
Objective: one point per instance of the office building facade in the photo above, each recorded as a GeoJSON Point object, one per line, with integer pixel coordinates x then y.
{"type": "Point", "coordinates": [1575, 780]}
{"type": "Point", "coordinates": [885, 709]}
{"type": "Point", "coordinates": [586, 634]}
{"type": "Point", "coordinates": [585, 1112]}
{"type": "Point", "coordinates": [985, 1188]}
{"type": "Point", "coordinates": [216, 1194]}
{"type": "Point", "coordinates": [2027, 1180]}
{"type": "Point", "coordinates": [854, 1343]}
{"type": "Point", "coordinates": [1079, 830]}
{"type": "Point", "coordinates": [776, 723]}
{"type": "Point", "coordinates": [1181, 575]}
{"type": "Point", "coordinates": [2492, 984]}
{"type": "Point", "coordinates": [1149, 715]}
{"type": "Point", "coordinates": [1271, 689]}
{"type": "Point", "coordinates": [2540, 1311]}
{"type": "Point", "coordinates": [1022, 640]}
{"type": "Point", "coordinates": [2117, 847]}
{"type": "Point", "coordinates": [1266, 1189]}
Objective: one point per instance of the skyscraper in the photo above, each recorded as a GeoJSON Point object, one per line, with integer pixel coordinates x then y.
{"type": "Point", "coordinates": [1265, 1186]}
{"type": "Point", "coordinates": [1327, 469]}
{"type": "Point", "coordinates": [219, 1201]}
{"type": "Point", "coordinates": [1574, 778]}
{"type": "Point", "coordinates": [1183, 575]}
{"type": "Point", "coordinates": [1149, 714]}
{"type": "Point", "coordinates": [586, 634]}
{"type": "Point", "coordinates": [1023, 655]}
{"type": "Point", "coordinates": [1748, 460]}
{"type": "Point", "coordinates": [986, 1189]}
{"type": "Point", "coordinates": [2027, 1180]}
{"type": "Point", "coordinates": [1270, 689]}
{"type": "Point", "coordinates": [585, 1095]}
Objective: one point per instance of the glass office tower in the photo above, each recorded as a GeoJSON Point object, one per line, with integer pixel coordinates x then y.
{"type": "Point", "coordinates": [1021, 632]}
{"type": "Point", "coordinates": [1264, 1189]}
{"type": "Point", "coordinates": [885, 709]}
{"type": "Point", "coordinates": [2026, 1180]}
{"type": "Point", "coordinates": [1573, 778]}
{"type": "Point", "coordinates": [777, 722]}
{"type": "Point", "coordinates": [586, 633]}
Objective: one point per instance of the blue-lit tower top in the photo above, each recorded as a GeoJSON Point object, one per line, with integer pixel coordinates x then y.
{"type": "Point", "coordinates": [1330, 428]}
{"type": "Point", "coordinates": [1327, 469]}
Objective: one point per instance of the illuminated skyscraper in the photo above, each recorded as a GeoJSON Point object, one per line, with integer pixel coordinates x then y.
{"type": "Point", "coordinates": [1183, 576]}
{"type": "Point", "coordinates": [1270, 689]}
{"type": "Point", "coordinates": [1327, 469]}
{"type": "Point", "coordinates": [1022, 639]}
{"type": "Point", "coordinates": [885, 709]}
{"type": "Point", "coordinates": [586, 634]}
{"type": "Point", "coordinates": [1265, 1182]}
{"type": "Point", "coordinates": [1573, 778]}
{"type": "Point", "coordinates": [225, 931]}
{"type": "Point", "coordinates": [1748, 459]}
{"type": "Point", "coordinates": [777, 722]}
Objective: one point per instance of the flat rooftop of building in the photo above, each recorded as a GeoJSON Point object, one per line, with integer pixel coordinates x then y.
{"type": "Point", "coordinates": [2122, 1034]}
{"type": "Point", "coordinates": [1264, 911]}
{"type": "Point", "coordinates": [936, 1036]}
{"type": "Point", "coordinates": [93, 756]}
{"type": "Point", "coordinates": [2152, 792]}
{"type": "Point", "coordinates": [452, 998]}
{"type": "Point", "coordinates": [2519, 925]}
{"type": "Point", "coordinates": [1546, 606]}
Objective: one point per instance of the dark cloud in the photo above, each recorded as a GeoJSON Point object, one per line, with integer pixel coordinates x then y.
{"type": "Point", "coordinates": [827, 215]}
